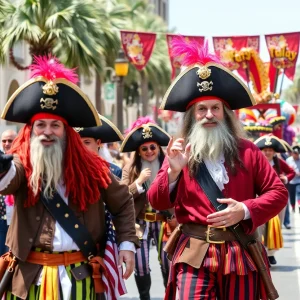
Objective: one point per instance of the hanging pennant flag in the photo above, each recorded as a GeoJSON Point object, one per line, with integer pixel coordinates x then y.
{"type": "Point", "coordinates": [235, 52]}
{"type": "Point", "coordinates": [175, 61]}
{"type": "Point", "coordinates": [241, 53]}
{"type": "Point", "coordinates": [283, 49]}
{"type": "Point", "coordinates": [138, 47]}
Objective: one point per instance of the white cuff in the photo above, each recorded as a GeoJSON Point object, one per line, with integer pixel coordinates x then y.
{"type": "Point", "coordinates": [7, 178]}
{"type": "Point", "coordinates": [247, 212]}
{"type": "Point", "coordinates": [140, 189]}
{"type": "Point", "coordinates": [127, 246]}
{"type": "Point", "coordinates": [172, 185]}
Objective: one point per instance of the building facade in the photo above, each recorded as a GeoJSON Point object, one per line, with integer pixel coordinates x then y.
{"type": "Point", "coordinates": [161, 8]}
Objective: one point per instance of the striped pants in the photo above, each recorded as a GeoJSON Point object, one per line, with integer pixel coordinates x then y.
{"type": "Point", "coordinates": [81, 289]}
{"type": "Point", "coordinates": [142, 266]}
{"type": "Point", "coordinates": [202, 284]}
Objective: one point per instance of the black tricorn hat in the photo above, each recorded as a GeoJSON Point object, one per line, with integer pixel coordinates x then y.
{"type": "Point", "coordinates": [107, 132]}
{"type": "Point", "coordinates": [288, 146]}
{"type": "Point", "coordinates": [51, 91]}
{"type": "Point", "coordinates": [296, 149]}
{"type": "Point", "coordinates": [144, 133]}
{"type": "Point", "coordinates": [271, 141]}
{"type": "Point", "coordinates": [203, 82]}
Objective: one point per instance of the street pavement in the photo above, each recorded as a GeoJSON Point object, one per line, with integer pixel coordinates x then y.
{"type": "Point", "coordinates": [286, 274]}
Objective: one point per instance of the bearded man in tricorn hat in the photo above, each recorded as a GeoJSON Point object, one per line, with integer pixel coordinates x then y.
{"type": "Point", "coordinates": [221, 186]}
{"type": "Point", "coordinates": [57, 233]}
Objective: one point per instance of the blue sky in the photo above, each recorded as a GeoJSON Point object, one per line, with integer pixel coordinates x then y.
{"type": "Point", "coordinates": [235, 17]}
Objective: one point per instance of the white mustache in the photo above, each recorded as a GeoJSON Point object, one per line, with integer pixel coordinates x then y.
{"type": "Point", "coordinates": [207, 121]}
{"type": "Point", "coordinates": [47, 138]}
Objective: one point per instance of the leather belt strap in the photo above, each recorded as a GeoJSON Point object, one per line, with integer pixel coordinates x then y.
{"type": "Point", "coordinates": [151, 217]}
{"type": "Point", "coordinates": [55, 259]}
{"type": "Point", "coordinates": [208, 233]}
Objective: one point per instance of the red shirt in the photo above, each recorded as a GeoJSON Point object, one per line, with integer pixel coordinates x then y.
{"type": "Point", "coordinates": [256, 185]}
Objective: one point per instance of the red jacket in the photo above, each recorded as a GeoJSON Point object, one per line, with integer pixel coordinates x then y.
{"type": "Point", "coordinates": [286, 170]}
{"type": "Point", "coordinates": [256, 184]}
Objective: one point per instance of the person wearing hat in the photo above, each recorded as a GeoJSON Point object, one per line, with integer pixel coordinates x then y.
{"type": "Point", "coordinates": [57, 232]}
{"type": "Point", "coordinates": [220, 184]}
{"type": "Point", "coordinates": [294, 162]}
{"type": "Point", "coordinates": [270, 145]}
{"type": "Point", "coordinates": [145, 139]}
{"type": "Point", "coordinates": [93, 137]}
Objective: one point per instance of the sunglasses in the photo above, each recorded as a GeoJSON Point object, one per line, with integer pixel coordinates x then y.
{"type": "Point", "coordinates": [152, 147]}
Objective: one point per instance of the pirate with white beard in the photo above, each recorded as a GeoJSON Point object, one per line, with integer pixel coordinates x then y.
{"type": "Point", "coordinates": [146, 138]}
{"type": "Point", "coordinates": [220, 185]}
{"type": "Point", "coordinates": [57, 232]}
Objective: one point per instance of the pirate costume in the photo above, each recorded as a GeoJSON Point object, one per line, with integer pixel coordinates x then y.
{"type": "Point", "coordinates": [152, 223]}
{"type": "Point", "coordinates": [208, 262]}
{"type": "Point", "coordinates": [59, 244]}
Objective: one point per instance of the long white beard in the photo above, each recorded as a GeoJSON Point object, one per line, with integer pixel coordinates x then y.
{"type": "Point", "coordinates": [210, 143]}
{"type": "Point", "coordinates": [46, 164]}
{"type": "Point", "coordinates": [154, 166]}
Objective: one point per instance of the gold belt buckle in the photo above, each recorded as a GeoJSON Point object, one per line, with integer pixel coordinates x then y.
{"type": "Point", "coordinates": [150, 217]}
{"type": "Point", "coordinates": [210, 234]}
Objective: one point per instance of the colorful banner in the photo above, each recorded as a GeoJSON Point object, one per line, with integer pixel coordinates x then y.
{"type": "Point", "coordinates": [175, 61]}
{"type": "Point", "coordinates": [283, 49]}
{"type": "Point", "coordinates": [241, 53]}
{"type": "Point", "coordinates": [235, 52]}
{"type": "Point", "coordinates": [138, 47]}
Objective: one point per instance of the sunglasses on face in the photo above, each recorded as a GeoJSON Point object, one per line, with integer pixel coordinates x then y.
{"type": "Point", "coordinates": [152, 147]}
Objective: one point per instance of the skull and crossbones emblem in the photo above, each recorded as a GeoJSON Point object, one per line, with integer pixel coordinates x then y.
{"type": "Point", "coordinates": [147, 132]}
{"type": "Point", "coordinates": [205, 86]}
{"type": "Point", "coordinates": [49, 103]}
{"type": "Point", "coordinates": [78, 129]}
{"type": "Point", "coordinates": [268, 141]}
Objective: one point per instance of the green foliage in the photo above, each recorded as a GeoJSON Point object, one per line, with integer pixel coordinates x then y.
{"type": "Point", "coordinates": [292, 93]}
{"type": "Point", "coordinates": [79, 33]}
{"type": "Point", "coordinates": [158, 69]}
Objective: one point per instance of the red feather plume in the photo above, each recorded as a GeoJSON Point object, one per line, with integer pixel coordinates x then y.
{"type": "Point", "coordinates": [140, 121]}
{"type": "Point", "coordinates": [191, 52]}
{"type": "Point", "coordinates": [50, 68]}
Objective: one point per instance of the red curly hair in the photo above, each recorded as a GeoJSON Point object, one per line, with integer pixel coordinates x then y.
{"type": "Point", "coordinates": [84, 172]}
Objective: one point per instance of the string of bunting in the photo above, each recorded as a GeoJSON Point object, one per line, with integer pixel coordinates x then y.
{"type": "Point", "coordinates": [240, 53]}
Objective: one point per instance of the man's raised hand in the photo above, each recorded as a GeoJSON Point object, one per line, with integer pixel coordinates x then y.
{"type": "Point", "coordinates": [178, 157]}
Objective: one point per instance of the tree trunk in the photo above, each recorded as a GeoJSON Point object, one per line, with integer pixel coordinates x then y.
{"type": "Point", "coordinates": [98, 85]}
{"type": "Point", "coordinates": [157, 97]}
{"type": "Point", "coordinates": [144, 93]}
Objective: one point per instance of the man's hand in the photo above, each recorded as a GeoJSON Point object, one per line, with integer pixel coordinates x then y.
{"type": "Point", "coordinates": [178, 157]}
{"type": "Point", "coordinates": [283, 178]}
{"type": "Point", "coordinates": [5, 162]}
{"type": "Point", "coordinates": [233, 214]}
{"type": "Point", "coordinates": [127, 257]}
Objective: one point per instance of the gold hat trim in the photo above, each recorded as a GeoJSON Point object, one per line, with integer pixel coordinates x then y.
{"type": "Point", "coordinates": [272, 137]}
{"type": "Point", "coordinates": [57, 80]}
{"type": "Point", "coordinates": [113, 126]}
{"type": "Point", "coordinates": [137, 128]}
{"type": "Point", "coordinates": [163, 104]}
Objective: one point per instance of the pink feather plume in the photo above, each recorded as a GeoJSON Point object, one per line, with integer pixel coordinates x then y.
{"type": "Point", "coordinates": [50, 68]}
{"type": "Point", "coordinates": [191, 52]}
{"type": "Point", "coordinates": [140, 121]}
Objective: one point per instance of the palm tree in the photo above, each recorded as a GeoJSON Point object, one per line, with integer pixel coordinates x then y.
{"type": "Point", "coordinates": [114, 16]}
{"type": "Point", "coordinates": [292, 93]}
{"type": "Point", "coordinates": [77, 32]}
{"type": "Point", "coordinates": [157, 73]}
